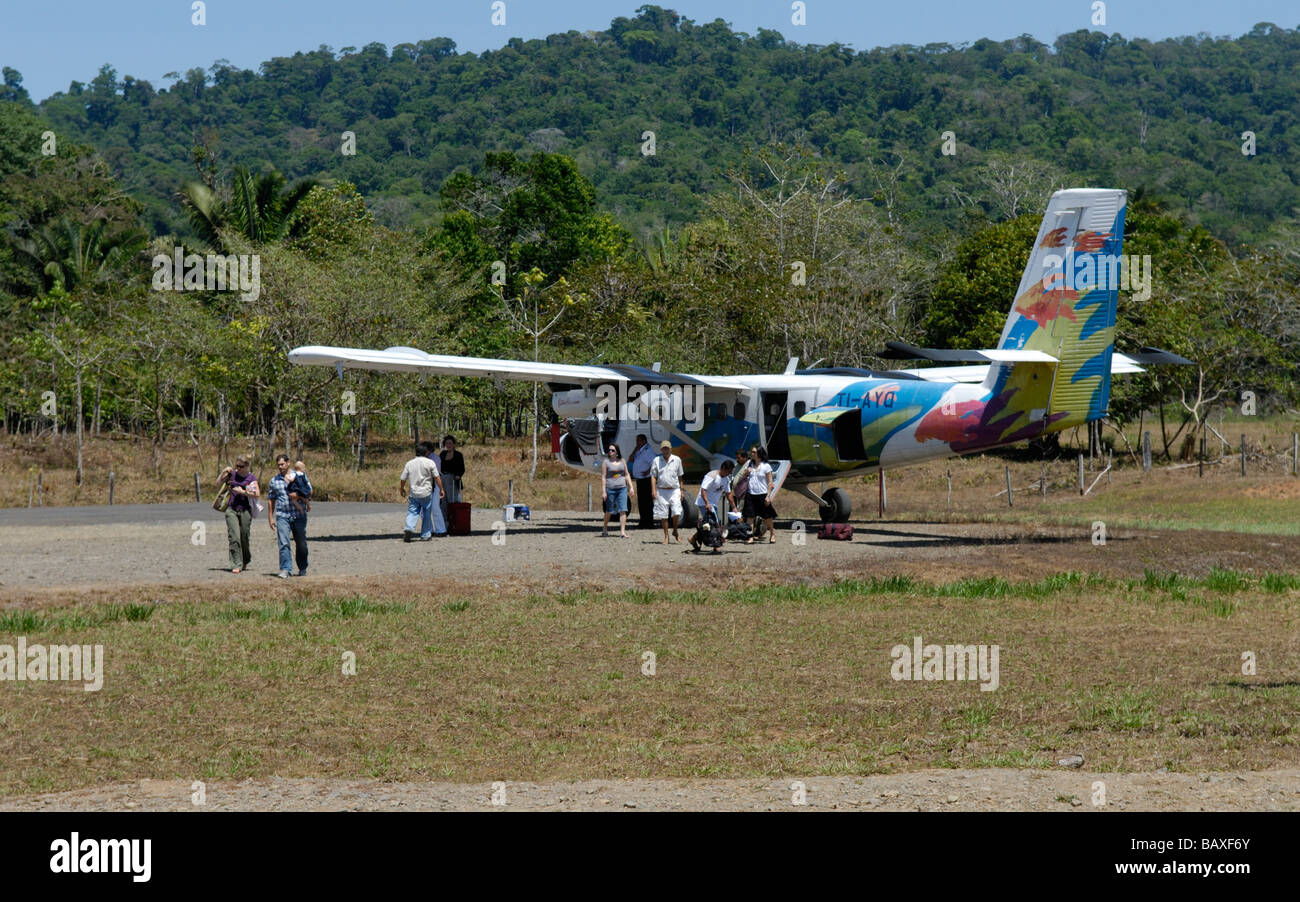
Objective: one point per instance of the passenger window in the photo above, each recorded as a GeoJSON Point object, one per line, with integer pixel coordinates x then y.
{"type": "Point", "coordinates": [800, 408]}
{"type": "Point", "coordinates": [739, 410]}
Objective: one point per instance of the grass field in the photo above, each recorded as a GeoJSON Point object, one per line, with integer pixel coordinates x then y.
{"type": "Point", "coordinates": [776, 680]}
{"type": "Point", "coordinates": [217, 683]}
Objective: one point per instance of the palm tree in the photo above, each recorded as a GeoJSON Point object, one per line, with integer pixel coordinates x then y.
{"type": "Point", "coordinates": [70, 254]}
{"type": "Point", "coordinates": [71, 260]}
{"type": "Point", "coordinates": [258, 207]}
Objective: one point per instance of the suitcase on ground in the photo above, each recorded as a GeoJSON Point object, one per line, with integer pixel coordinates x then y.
{"type": "Point", "coordinates": [458, 518]}
{"type": "Point", "coordinates": [739, 531]}
{"type": "Point", "coordinates": [840, 532]}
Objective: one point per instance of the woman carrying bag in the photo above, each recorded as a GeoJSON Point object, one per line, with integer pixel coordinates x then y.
{"type": "Point", "coordinates": [240, 485]}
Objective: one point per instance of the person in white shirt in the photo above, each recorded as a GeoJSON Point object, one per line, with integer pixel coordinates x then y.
{"type": "Point", "coordinates": [421, 473]}
{"type": "Point", "coordinates": [715, 486]}
{"type": "Point", "coordinates": [757, 503]}
{"type": "Point", "coordinates": [666, 485]}
{"type": "Point", "coordinates": [640, 460]}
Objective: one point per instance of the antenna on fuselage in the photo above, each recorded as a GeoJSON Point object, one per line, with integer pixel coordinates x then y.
{"type": "Point", "coordinates": [791, 365]}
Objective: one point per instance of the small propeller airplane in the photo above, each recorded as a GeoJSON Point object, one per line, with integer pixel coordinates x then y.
{"type": "Point", "coordinates": [1051, 371]}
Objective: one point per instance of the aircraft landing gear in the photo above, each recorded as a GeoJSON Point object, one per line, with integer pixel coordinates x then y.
{"type": "Point", "coordinates": [838, 506]}
{"type": "Point", "coordinates": [690, 517]}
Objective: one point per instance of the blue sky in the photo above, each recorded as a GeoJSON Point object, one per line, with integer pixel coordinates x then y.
{"type": "Point", "coordinates": [53, 42]}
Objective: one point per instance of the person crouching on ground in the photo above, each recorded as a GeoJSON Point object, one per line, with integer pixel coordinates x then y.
{"type": "Point", "coordinates": [715, 486]}
{"type": "Point", "coordinates": [666, 484]}
{"type": "Point", "coordinates": [290, 495]}
{"type": "Point", "coordinates": [421, 474]}
{"type": "Point", "coordinates": [614, 487]}
{"type": "Point", "coordinates": [239, 513]}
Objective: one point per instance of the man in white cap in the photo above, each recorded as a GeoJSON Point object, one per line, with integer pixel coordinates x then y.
{"type": "Point", "coordinates": [666, 485]}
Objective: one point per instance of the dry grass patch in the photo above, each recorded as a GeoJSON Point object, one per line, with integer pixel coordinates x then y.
{"type": "Point", "coordinates": [751, 681]}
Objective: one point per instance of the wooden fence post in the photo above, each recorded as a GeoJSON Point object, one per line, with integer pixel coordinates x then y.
{"type": "Point", "coordinates": [1243, 455]}
{"type": "Point", "coordinates": [1080, 472]}
{"type": "Point", "coordinates": [1146, 450]}
{"type": "Point", "coordinates": [110, 486]}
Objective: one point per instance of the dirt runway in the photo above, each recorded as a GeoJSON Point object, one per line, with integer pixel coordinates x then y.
{"type": "Point", "coordinates": [993, 789]}
{"type": "Point", "coordinates": [57, 551]}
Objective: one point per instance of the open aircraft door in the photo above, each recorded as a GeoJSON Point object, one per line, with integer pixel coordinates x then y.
{"type": "Point", "coordinates": [780, 470]}
{"type": "Point", "coordinates": [776, 438]}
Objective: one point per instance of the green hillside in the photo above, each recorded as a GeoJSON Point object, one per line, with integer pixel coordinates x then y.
{"type": "Point", "coordinates": [1162, 116]}
{"type": "Point", "coordinates": [798, 202]}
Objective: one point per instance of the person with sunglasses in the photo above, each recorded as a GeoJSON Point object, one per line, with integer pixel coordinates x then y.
{"type": "Point", "coordinates": [758, 504]}
{"type": "Point", "coordinates": [239, 513]}
{"type": "Point", "coordinates": [615, 486]}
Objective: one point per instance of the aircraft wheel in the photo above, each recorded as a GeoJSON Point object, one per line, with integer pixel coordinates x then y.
{"type": "Point", "coordinates": [840, 506]}
{"type": "Point", "coordinates": [690, 513]}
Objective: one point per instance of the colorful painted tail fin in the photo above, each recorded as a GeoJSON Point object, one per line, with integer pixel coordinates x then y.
{"type": "Point", "coordinates": [1065, 307]}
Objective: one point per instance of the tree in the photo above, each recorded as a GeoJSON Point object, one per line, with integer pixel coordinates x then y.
{"type": "Point", "coordinates": [73, 263]}
{"type": "Point", "coordinates": [974, 293]}
{"type": "Point", "coordinates": [1017, 185]}
{"type": "Point", "coordinates": [257, 207]}
{"type": "Point", "coordinates": [797, 267]}
{"type": "Point", "coordinates": [535, 311]}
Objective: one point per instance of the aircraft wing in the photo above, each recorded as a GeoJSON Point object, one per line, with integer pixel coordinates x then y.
{"type": "Point", "coordinates": [413, 360]}
{"type": "Point", "coordinates": [1120, 364]}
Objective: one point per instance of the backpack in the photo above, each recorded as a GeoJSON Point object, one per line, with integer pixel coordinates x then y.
{"type": "Point", "coordinates": [840, 532]}
{"type": "Point", "coordinates": [707, 530]}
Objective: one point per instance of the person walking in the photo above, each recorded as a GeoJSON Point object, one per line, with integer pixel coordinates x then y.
{"type": "Point", "coordinates": [290, 497]}
{"type": "Point", "coordinates": [239, 513]}
{"type": "Point", "coordinates": [666, 483]}
{"type": "Point", "coordinates": [640, 461]}
{"type": "Point", "coordinates": [421, 475]}
{"type": "Point", "coordinates": [757, 501]}
{"type": "Point", "coordinates": [615, 485]}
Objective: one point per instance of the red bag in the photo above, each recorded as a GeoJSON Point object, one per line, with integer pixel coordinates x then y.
{"type": "Point", "coordinates": [840, 532]}
{"type": "Point", "coordinates": [458, 517]}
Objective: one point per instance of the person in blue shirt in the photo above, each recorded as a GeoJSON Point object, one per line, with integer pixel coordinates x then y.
{"type": "Point", "coordinates": [290, 497]}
